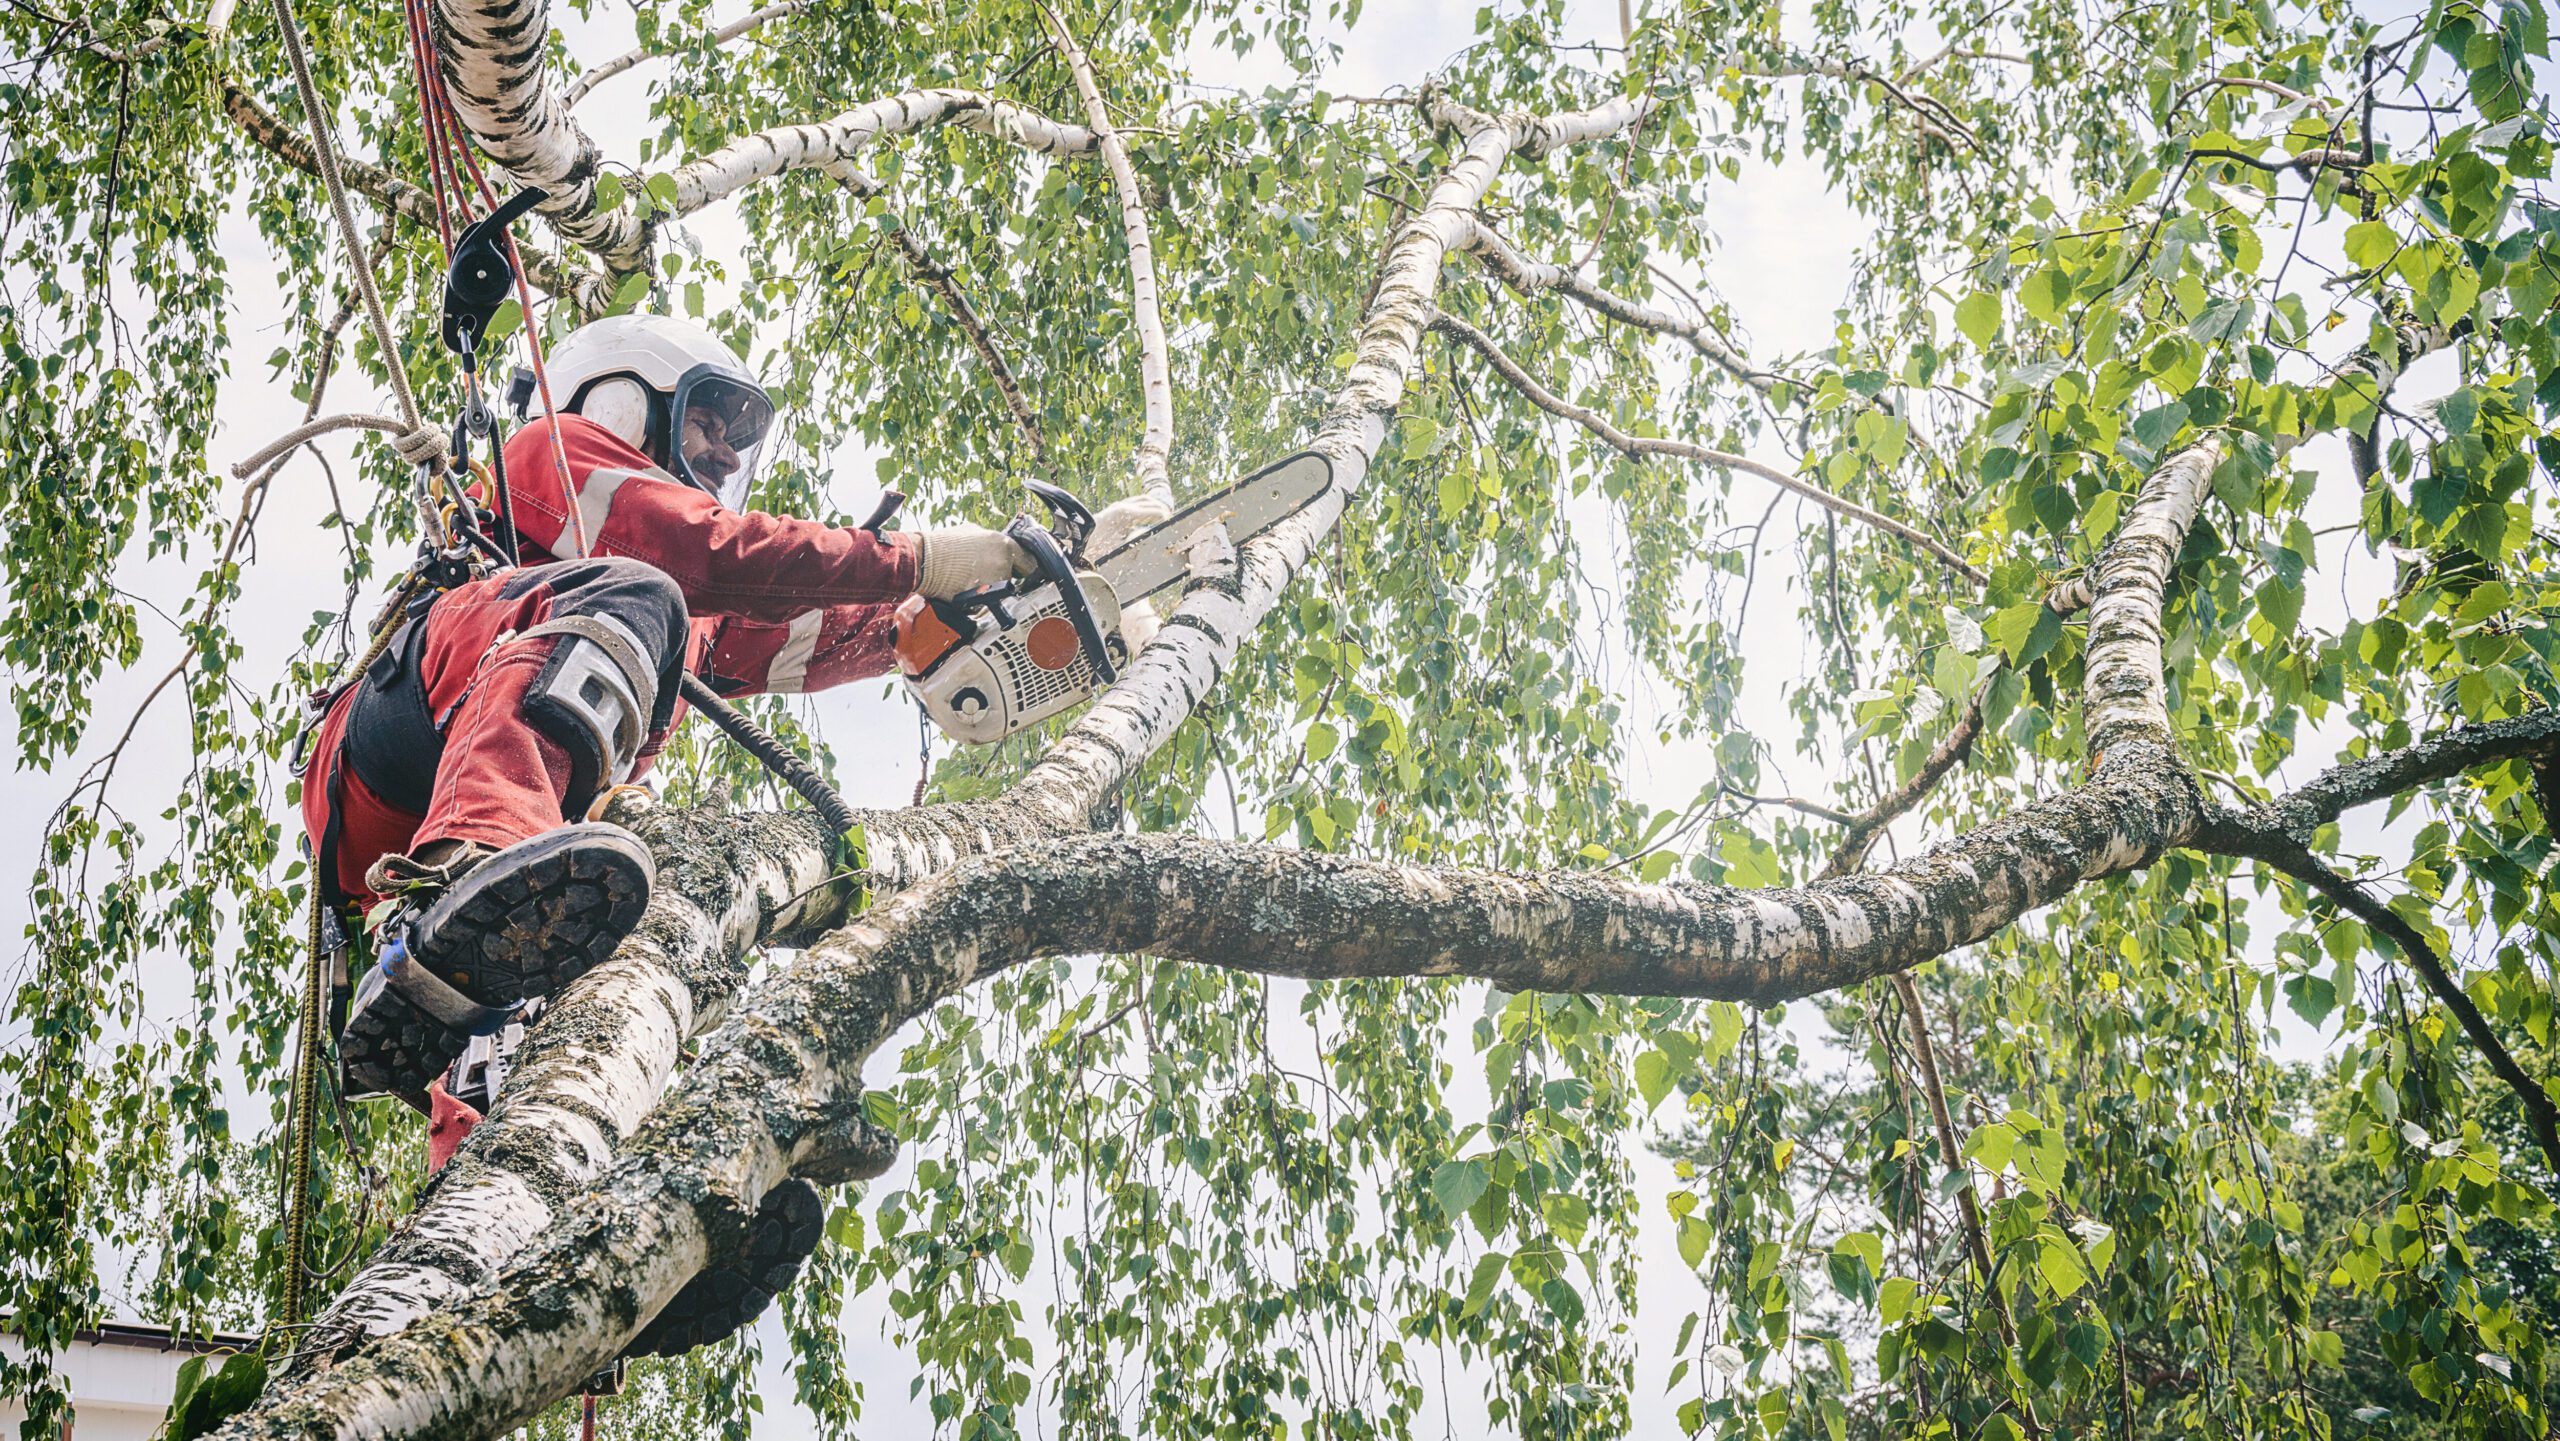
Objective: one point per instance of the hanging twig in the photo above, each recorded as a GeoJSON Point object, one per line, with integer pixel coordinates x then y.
{"type": "Point", "coordinates": [752, 20]}
{"type": "Point", "coordinates": [937, 277]}
{"type": "Point", "coordinates": [1638, 446]}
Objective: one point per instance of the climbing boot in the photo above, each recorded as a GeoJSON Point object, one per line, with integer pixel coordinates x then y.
{"type": "Point", "coordinates": [467, 934]}
{"type": "Point", "coordinates": [729, 1295]}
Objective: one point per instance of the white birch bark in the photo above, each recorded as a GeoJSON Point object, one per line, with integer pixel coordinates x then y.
{"type": "Point", "coordinates": [833, 143]}
{"type": "Point", "coordinates": [492, 55]}
{"type": "Point", "coordinates": [2126, 701]}
{"type": "Point", "coordinates": [1155, 367]}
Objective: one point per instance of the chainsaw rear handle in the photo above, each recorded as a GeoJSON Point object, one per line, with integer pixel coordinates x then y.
{"type": "Point", "coordinates": [1051, 565]}
{"type": "Point", "coordinates": [1070, 520]}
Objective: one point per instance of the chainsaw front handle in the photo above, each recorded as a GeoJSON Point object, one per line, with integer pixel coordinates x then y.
{"type": "Point", "coordinates": [1049, 562]}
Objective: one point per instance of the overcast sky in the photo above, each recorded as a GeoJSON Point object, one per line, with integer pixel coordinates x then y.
{"type": "Point", "coordinates": [1784, 251]}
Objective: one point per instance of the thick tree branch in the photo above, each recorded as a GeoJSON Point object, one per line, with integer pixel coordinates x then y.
{"type": "Point", "coordinates": [1639, 446]}
{"type": "Point", "coordinates": [494, 57]}
{"type": "Point", "coordinates": [1155, 372]}
{"type": "Point", "coordinates": [745, 24]}
{"type": "Point", "coordinates": [2342, 788]}
{"type": "Point", "coordinates": [2124, 696]}
{"type": "Point", "coordinates": [827, 145]}
{"type": "Point", "coordinates": [1529, 277]}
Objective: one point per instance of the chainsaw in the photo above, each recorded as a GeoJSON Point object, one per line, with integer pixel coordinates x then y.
{"type": "Point", "coordinates": [991, 661]}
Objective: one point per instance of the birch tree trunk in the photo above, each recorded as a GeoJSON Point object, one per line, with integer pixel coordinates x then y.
{"type": "Point", "coordinates": [630, 1015]}
{"type": "Point", "coordinates": [777, 1089]}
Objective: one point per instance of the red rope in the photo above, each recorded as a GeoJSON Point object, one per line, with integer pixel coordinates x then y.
{"type": "Point", "coordinates": [449, 160]}
{"type": "Point", "coordinates": [587, 1418]}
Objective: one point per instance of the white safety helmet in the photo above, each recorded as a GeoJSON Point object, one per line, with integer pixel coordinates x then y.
{"type": "Point", "coordinates": [643, 377]}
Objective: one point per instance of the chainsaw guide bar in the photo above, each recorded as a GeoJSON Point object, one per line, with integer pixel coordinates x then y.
{"type": "Point", "coordinates": [1161, 559]}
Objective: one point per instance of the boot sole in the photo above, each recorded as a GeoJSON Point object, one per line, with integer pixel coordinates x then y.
{"type": "Point", "coordinates": [391, 1047]}
{"type": "Point", "coordinates": [538, 915]}
{"type": "Point", "coordinates": [728, 1297]}
{"type": "Point", "coordinates": [535, 917]}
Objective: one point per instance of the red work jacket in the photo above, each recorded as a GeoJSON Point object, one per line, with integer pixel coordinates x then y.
{"type": "Point", "coordinates": [778, 603]}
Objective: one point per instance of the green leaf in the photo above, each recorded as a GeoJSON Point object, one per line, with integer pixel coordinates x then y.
{"type": "Point", "coordinates": [2281, 604]}
{"type": "Point", "coordinates": [201, 1406]}
{"type": "Point", "coordinates": [1693, 1238]}
{"type": "Point", "coordinates": [2370, 244]}
{"type": "Point", "coordinates": [1653, 1078]}
{"type": "Point", "coordinates": [1488, 1274]}
{"type": "Point", "coordinates": [1457, 1184]}
{"type": "Point", "coordinates": [1864, 1246]}
{"type": "Point", "coordinates": [1321, 740]}
{"type": "Point", "coordinates": [1978, 316]}
{"type": "Point", "coordinates": [2312, 997]}
{"type": "Point", "coordinates": [2155, 427]}
{"type": "Point", "coordinates": [2059, 1263]}
{"type": "Point", "coordinates": [2046, 294]}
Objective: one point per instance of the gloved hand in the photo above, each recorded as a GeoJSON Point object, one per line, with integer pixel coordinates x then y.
{"type": "Point", "coordinates": [965, 557]}
{"type": "Point", "coordinates": [1116, 522]}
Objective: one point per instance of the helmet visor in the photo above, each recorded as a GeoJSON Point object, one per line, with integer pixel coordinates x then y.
{"type": "Point", "coordinates": [719, 423]}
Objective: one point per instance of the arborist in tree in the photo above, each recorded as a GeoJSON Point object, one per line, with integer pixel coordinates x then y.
{"type": "Point", "coordinates": [451, 782]}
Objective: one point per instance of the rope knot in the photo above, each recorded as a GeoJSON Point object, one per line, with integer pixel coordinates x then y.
{"type": "Point", "coordinates": [425, 447]}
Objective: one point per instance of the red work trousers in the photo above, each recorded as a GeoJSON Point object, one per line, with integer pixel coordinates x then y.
{"type": "Point", "coordinates": [501, 777]}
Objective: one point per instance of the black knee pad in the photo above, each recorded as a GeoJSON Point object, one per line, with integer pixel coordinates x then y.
{"type": "Point", "coordinates": [595, 695]}
{"type": "Point", "coordinates": [611, 681]}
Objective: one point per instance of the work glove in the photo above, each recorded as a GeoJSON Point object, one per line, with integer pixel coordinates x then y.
{"type": "Point", "coordinates": [962, 558]}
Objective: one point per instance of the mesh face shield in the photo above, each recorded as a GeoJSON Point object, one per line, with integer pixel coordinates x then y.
{"type": "Point", "coordinates": [716, 428]}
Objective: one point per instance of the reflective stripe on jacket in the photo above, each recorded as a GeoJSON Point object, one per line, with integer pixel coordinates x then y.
{"type": "Point", "coordinates": [778, 603]}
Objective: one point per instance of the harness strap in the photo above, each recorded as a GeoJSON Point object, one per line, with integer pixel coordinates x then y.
{"type": "Point", "coordinates": [392, 740]}
{"type": "Point", "coordinates": [618, 642]}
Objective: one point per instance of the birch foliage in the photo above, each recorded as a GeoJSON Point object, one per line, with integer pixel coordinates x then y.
{"type": "Point", "coordinates": [1148, 1196]}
